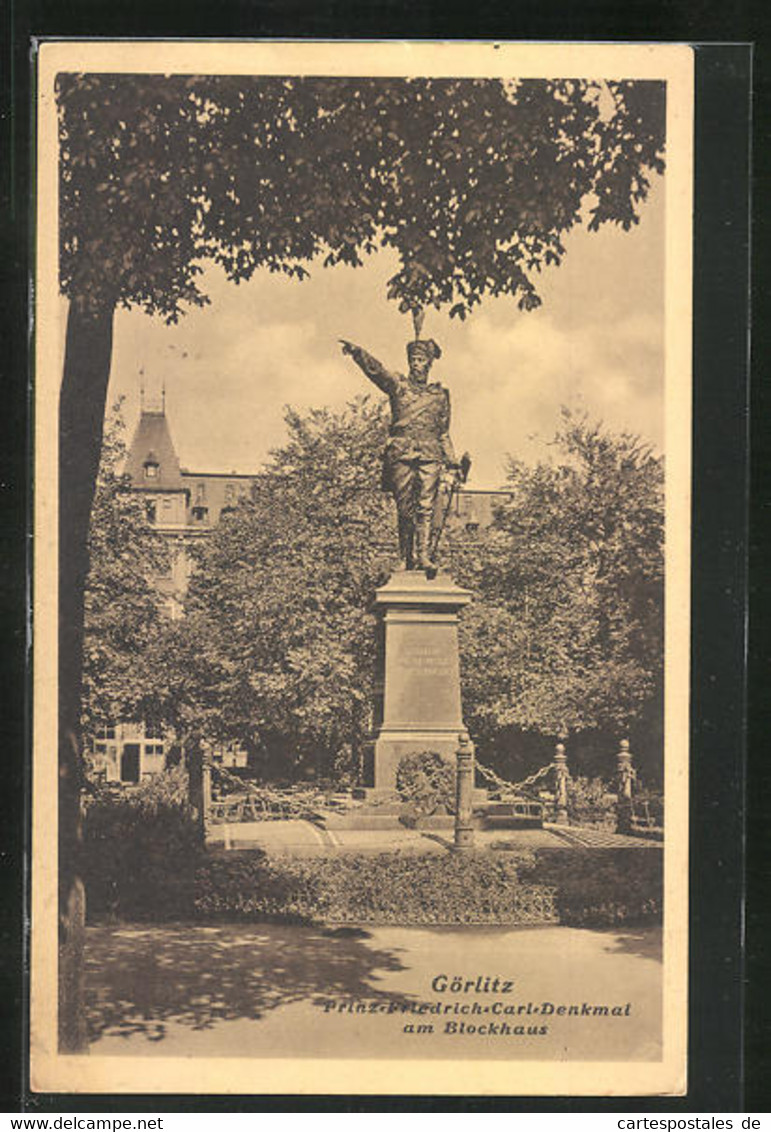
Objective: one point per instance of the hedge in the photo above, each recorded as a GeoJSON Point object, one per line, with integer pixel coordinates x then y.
{"type": "Point", "coordinates": [601, 887]}
{"type": "Point", "coordinates": [391, 888]}
{"type": "Point", "coordinates": [577, 887]}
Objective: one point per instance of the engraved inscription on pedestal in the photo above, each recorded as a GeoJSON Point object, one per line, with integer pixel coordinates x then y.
{"type": "Point", "coordinates": [422, 670]}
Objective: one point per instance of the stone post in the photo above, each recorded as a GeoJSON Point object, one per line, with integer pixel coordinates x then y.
{"type": "Point", "coordinates": [625, 776]}
{"type": "Point", "coordinates": [561, 775]}
{"type": "Point", "coordinates": [464, 789]}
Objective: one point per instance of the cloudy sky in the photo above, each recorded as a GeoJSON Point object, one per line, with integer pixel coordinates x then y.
{"type": "Point", "coordinates": [229, 369]}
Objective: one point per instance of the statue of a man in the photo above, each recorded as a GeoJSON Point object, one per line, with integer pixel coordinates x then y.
{"type": "Point", "coordinates": [419, 448]}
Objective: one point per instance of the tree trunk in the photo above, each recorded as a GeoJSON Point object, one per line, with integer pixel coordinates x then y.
{"type": "Point", "coordinates": [81, 418]}
{"type": "Point", "coordinates": [199, 785]}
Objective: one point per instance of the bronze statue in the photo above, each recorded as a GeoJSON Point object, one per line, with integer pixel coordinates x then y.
{"type": "Point", "coordinates": [419, 448]}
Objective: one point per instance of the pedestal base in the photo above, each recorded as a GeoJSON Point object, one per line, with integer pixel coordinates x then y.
{"type": "Point", "coordinates": [383, 754]}
{"type": "Point", "coordinates": [419, 705]}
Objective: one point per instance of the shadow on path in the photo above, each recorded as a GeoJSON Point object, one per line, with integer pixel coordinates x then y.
{"type": "Point", "coordinates": [141, 978]}
{"type": "Point", "coordinates": [644, 944]}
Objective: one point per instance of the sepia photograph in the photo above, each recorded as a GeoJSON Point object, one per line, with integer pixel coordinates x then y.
{"type": "Point", "coordinates": [362, 526]}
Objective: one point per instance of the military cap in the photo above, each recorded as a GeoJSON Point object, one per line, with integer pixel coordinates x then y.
{"type": "Point", "coordinates": [426, 346]}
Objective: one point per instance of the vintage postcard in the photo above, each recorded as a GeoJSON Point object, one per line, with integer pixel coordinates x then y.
{"type": "Point", "coordinates": [362, 489]}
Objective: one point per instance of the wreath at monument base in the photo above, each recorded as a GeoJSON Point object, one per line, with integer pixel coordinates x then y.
{"type": "Point", "coordinates": [426, 783]}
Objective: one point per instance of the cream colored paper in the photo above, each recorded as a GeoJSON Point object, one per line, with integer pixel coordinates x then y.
{"type": "Point", "coordinates": [405, 1071]}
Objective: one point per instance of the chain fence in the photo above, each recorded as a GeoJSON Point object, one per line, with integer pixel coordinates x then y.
{"type": "Point", "coordinates": [515, 787]}
{"type": "Point", "coordinates": [252, 802]}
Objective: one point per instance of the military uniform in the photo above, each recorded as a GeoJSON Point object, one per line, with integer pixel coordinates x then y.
{"type": "Point", "coordinates": [418, 450]}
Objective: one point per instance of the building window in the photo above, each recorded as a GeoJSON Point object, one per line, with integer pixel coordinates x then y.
{"type": "Point", "coordinates": [151, 470]}
{"type": "Point", "coordinates": [150, 511]}
{"type": "Point", "coordinates": [105, 733]}
{"type": "Point", "coordinates": [200, 492]}
{"type": "Point", "coordinates": [106, 766]}
{"type": "Point", "coordinates": [153, 731]}
{"type": "Point", "coordinates": [200, 514]}
{"type": "Point", "coordinates": [167, 505]}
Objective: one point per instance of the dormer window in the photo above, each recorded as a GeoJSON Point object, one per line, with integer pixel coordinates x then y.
{"type": "Point", "coordinates": [151, 467]}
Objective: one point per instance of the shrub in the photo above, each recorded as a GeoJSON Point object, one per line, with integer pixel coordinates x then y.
{"type": "Point", "coordinates": [601, 887]}
{"type": "Point", "coordinates": [141, 850]}
{"type": "Point", "coordinates": [426, 783]}
{"type": "Point", "coordinates": [648, 803]}
{"type": "Point", "coordinates": [590, 804]}
{"type": "Point", "coordinates": [171, 788]}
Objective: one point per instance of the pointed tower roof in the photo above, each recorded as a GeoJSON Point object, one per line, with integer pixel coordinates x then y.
{"type": "Point", "coordinates": [152, 448]}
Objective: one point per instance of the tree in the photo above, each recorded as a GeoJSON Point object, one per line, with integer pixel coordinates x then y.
{"type": "Point", "coordinates": [567, 634]}
{"type": "Point", "coordinates": [474, 183]}
{"type": "Point", "coordinates": [125, 617]}
{"type": "Point", "coordinates": [279, 605]}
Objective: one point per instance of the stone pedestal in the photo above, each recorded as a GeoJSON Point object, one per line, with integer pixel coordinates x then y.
{"type": "Point", "coordinates": [418, 704]}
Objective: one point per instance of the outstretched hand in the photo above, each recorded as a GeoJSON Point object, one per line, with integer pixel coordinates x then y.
{"type": "Point", "coordinates": [348, 347]}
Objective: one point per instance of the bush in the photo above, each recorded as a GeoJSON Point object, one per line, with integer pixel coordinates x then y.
{"type": "Point", "coordinates": [601, 887]}
{"type": "Point", "coordinates": [648, 803]}
{"type": "Point", "coordinates": [590, 804]}
{"type": "Point", "coordinates": [381, 888]}
{"type": "Point", "coordinates": [426, 783]}
{"type": "Point", "coordinates": [141, 851]}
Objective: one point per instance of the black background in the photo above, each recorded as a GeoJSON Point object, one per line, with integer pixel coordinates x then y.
{"type": "Point", "coordinates": [729, 1032]}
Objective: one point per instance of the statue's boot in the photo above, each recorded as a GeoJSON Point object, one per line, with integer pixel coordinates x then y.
{"type": "Point", "coordinates": [422, 546]}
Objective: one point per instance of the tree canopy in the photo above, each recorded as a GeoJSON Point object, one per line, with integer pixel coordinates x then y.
{"type": "Point", "coordinates": [474, 182]}
{"type": "Point", "coordinates": [568, 634]}
{"type": "Point", "coordinates": [278, 613]}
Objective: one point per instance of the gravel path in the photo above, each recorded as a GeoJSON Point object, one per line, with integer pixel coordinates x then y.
{"type": "Point", "coordinates": [306, 839]}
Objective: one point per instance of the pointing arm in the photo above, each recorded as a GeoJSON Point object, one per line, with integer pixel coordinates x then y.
{"type": "Point", "coordinates": [370, 367]}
